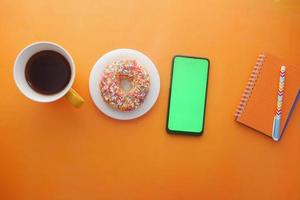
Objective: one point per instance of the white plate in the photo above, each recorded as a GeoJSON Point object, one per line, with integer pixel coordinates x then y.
{"type": "Point", "coordinates": [121, 54]}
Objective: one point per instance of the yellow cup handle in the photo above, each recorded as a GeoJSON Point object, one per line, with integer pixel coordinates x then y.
{"type": "Point", "coordinates": [74, 98]}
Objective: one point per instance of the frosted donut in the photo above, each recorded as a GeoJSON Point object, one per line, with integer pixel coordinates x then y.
{"type": "Point", "coordinates": [115, 95]}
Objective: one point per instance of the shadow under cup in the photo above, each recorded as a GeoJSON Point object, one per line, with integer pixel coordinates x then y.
{"type": "Point", "coordinates": [20, 66]}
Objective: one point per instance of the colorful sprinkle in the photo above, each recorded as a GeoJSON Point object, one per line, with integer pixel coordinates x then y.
{"type": "Point", "coordinates": [112, 92]}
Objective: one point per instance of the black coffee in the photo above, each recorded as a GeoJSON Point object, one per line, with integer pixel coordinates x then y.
{"type": "Point", "coordinates": [48, 72]}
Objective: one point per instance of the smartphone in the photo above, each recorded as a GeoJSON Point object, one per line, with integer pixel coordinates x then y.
{"type": "Point", "coordinates": [188, 89]}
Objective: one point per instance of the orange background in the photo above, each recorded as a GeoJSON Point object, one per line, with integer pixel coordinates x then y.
{"type": "Point", "coordinates": [54, 151]}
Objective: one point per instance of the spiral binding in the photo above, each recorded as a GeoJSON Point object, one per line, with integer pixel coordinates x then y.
{"type": "Point", "coordinates": [250, 85]}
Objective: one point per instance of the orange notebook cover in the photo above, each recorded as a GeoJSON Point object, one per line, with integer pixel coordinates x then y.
{"type": "Point", "coordinates": [257, 107]}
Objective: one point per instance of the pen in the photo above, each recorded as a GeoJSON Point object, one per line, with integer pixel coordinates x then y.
{"type": "Point", "coordinates": [277, 118]}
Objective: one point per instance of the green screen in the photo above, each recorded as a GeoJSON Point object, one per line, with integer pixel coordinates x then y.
{"type": "Point", "coordinates": [188, 94]}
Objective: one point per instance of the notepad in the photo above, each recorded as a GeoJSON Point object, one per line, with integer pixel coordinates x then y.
{"type": "Point", "coordinates": [258, 103]}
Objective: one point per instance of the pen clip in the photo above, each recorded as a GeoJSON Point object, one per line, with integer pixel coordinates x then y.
{"type": "Point", "coordinates": [275, 131]}
{"type": "Point", "coordinates": [273, 128]}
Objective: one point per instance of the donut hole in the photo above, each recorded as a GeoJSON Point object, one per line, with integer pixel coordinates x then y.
{"type": "Point", "coordinates": [126, 84]}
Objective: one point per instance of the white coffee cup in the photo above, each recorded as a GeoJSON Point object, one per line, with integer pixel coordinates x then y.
{"type": "Point", "coordinates": [24, 87]}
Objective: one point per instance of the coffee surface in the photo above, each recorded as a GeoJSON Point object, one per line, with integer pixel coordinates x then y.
{"type": "Point", "coordinates": [48, 72]}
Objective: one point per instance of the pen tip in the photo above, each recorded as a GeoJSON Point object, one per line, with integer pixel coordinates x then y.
{"type": "Point", "coordinates": [282, 68]}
